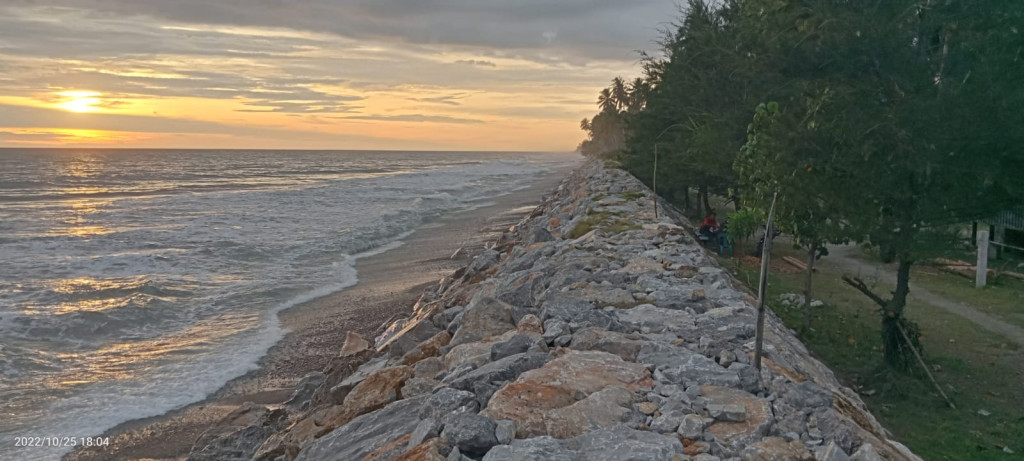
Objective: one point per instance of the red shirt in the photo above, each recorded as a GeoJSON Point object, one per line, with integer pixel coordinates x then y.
{"type": "Point", "coordinates": [710, 222]}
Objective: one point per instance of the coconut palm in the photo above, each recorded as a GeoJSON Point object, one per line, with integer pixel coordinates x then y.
{"type": "Point", "coordinates": [606, 101]}
{"type": "Point", "coordinates": [619, 93]}
{"type": "Point", "coordinates": [638, 90]}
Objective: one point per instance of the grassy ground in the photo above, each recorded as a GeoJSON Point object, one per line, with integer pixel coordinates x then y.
{"type": "Point", "coordinates": [981, 372]}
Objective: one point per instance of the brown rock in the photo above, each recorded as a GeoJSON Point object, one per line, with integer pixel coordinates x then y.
{"type": "Point", "coordinates": [638, 266]}
{"type": "Point", "coordinates": [483, 319]}
{"type": "Point", "coordinates": [776, 449]}
{"type": "Point", "coordinates": [354, 344]}
{"type": "Point", "coordinates": [591, 371]}
{"type": "Point", "coordinates": [526, 403]}
{"type": "Point", "coordinates": [647, 408]}
{"type": "Point", "coordinates": [531, 400]}
{"type": "Point", "coordinates": [625, 346]}
{"type": "Point", "coordinates": [390, 450]}
{"type": "Point", "coordinates": [604, 408]}
{"type": "Point", "coordinates": [429, 348]}
{"type": "Point", "coordinates": [429, 450]}
{"type": "Point", "coordinates": [739, 434]}
{"type": "Point", "coordinates": [696, 448]}
{"type": "Point", "coordinates": [530, 324]}
{"type": "Point", "coordinates": [377, 390]}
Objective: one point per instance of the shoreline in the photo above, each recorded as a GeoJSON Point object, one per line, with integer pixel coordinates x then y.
{"type": "Point", "coordinates": [389, 283]}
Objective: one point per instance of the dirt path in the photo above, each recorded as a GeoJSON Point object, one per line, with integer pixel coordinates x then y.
{"type": "Point", "coordinates": [843, 259]}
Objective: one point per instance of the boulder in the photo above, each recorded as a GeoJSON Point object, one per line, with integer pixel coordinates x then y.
{"type": "Point", "coordinates": [473, 434]}
{"type": "Point", "coordinates": [732, 435]}
{"type": "Point", "coordinates": [354, 344]}
{"type": "Point", "coordinates": [679, 365]}
{"type": "Point", "coordinates": [428, 368]}
{"type": "Point", "coordinates": [444, 401]}
{"type": "Point", "coordinates": [647, 318]}
{"type": "Point", "coordinates": [517, 344]}
{"type": "Point", "coordinates": [505, 431]}
{"type": "Point", "coordinates": [484, 318]}
{"type": "Point", "coordinates": [534, 449]}
{"type": "Point", "coordinates": [776, 449]}
{"type": "Point", "coordinates": [429, 348]}
{"type": "Point", "coordinates": [429, 450]}
{"type": "Point", "coordinates": [303, 394]}
{"type": "Point", "coordinates": [530, 401]}
{"type": "Point", "coordinates": [505, 369]}
{"type": "Point", "coordinates": [530, 324]}
{"type": "Point", "coordinates": [377, 390]}
{"type": "Point", "coordinates": [625, 346]}
{"type": "Point", "coordinates": [620, 443]}
{"type": "Point", "coordinates": [607, 407]}
{"type": "Point", "coordinates": [418, 386]}
{"type": "Point", "coordinates": [367, 433]}
{"type": "Point", "coordinates": [691, 427]}
{"type": "Point", "coordinates": [239, 435]}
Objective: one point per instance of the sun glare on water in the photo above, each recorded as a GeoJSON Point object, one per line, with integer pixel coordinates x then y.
{"type": "Point", "coordinates": [80, 101]}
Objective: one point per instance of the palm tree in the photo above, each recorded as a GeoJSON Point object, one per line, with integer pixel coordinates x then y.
{"type": "Point", "coordinates": [619, 93]}
{"type": "Point", "coordinates": [585, 125]}
{"type": "Point", "coordinates": [638, 90]}
{"type": "Point", "coordinates": [606, 101]}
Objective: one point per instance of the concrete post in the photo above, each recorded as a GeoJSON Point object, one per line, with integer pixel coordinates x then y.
{"type": "Point", "coordinates": [979, 277]}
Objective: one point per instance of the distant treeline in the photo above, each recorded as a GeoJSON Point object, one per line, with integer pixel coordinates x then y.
{"type": "Point", "coordinates": [885, 122]}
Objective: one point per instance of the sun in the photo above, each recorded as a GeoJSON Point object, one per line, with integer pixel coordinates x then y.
{"type": "Point", "coordinates": [80, 101]}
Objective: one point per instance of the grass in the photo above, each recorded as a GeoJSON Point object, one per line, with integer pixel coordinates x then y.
{"type": "Point", "coordinates": [977, 369]}
{"type": "Point", "coordinates": [593, 219]}
{"type": "Point", "coordinates": [632, 195]}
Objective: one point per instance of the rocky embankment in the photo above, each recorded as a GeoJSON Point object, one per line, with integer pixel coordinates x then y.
{"type": "Point", "coordinates": [590, 331]}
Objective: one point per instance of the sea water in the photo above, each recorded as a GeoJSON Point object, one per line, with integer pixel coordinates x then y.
{"type": "Point", "coordinates": [133, 282]}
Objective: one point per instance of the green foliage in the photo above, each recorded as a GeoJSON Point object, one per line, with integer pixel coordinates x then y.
{"type": "Point", "coordinates": [743, 223]}
{"type": "Point", "coordinates": [888, 122]}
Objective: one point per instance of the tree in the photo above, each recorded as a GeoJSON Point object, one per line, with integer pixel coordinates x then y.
{"type": "Point", "coordinates": [619, 93]}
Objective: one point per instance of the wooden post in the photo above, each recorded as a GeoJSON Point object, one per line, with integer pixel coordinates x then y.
{"type": "Point", "coordinates": [654, 181]}
{"type": "Point", "coordinates": [762, 286]}
{"type": "Point", "coordinates": [979, 277]}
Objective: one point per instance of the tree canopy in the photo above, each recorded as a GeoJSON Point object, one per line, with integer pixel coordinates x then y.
{"type": "Point", "coordinates": [879, 122]}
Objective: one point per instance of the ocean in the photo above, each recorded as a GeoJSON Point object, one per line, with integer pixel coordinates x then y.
{"type": "Point", "coordinates": [134, 282]}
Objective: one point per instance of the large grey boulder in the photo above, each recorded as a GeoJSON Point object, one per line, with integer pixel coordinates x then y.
{"type": "Point", "coordinates": [443, 401]}
{"type": "Point", "coordinates": [679, 365]}
{"type": "Point", "coordinates": [505, 369]}
{"type": "Point", "coordinates": [538, 448]}
{"type": "Point", "coordinates": [367, 433]}
{"type": "Point", "coordinates": [483, 318]}
{"type": "Point", "coordinates": [239, 435]}
{"type": "Point", "coordinates": [621, 443]}
{"type": "Point", "coordinates": [473, 434]}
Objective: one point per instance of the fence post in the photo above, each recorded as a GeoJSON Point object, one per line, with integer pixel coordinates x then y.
{"type": "Point", "coordinates": [982, 274]}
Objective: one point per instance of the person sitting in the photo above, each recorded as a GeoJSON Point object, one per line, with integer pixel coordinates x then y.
{"type": "Point", "coordinates": [709, 227]}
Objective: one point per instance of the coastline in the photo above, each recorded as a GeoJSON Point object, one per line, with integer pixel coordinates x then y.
{"type": "Point", "coordinates": [389, 283]}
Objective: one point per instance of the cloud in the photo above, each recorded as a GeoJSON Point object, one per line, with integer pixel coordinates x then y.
{"type": "Point", "coordinates": [450, 100]}
{"type": "Point", "coordinates": [413, 118]}
{"type": "Point", "coordinates": [476, 62]}
{"type": "Point", "coordinates": [607, 29]}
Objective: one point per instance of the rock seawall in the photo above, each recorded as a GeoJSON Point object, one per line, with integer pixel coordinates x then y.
{"type": "Point", "coordinates": [590, 331]}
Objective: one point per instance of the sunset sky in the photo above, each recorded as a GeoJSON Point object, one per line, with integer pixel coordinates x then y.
{"type": "Point", "coordinates": [314, 74]}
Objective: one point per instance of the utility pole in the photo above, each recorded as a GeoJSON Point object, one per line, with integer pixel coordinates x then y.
{"type": "Point", "coordinates": [762, 286]}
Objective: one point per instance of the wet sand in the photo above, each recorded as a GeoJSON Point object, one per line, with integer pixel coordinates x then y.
{"type": "Point", "coordinates": [389, 284]}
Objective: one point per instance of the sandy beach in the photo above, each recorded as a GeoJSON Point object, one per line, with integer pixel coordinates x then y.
{"type": "Point", "coordinates": [389, 284]}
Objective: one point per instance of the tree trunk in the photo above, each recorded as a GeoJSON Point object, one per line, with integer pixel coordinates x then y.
{"type": "Point", "coordinates": [808, 285]}
{"type": "Point", "coordinates": [704, 197]}
{"type": "Point", "coordinates": [686, 198]}
{"type": "Point", "coordinates": [897, 351]}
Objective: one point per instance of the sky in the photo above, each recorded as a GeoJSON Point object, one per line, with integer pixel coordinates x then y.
{"type": "Point", "coordinates": [315, 74]}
